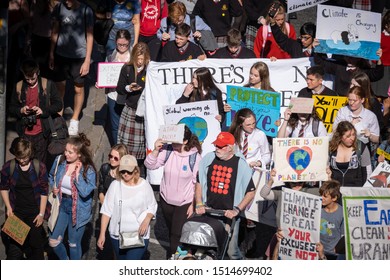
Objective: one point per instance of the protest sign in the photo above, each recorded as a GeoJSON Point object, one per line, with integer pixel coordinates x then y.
{"type": "Point", "coordinates": [200, 119]}
{"type": "Point", "coordinates": [366, 221]}
{"type": "Point", "coordinates": [301, 159]}
{"type": "Point", "coordinates": [165, 83]}
{"type": "Point", "coordinates": [173, 133]}
{"type": "Point", "coordinates": [379, 151]}
{"type": "Point", "coordinates": [298, 5]}
{"type": "Point", "coordinates": [380, 177]}
{"type": "Point", "coordinates": [301, 105]}
{"type": "Point", "coordinates": [108, 74]}
{"type": "Point", "coordinates": [261, 210]}
{"type": "Point", "coordinates": [327, 108]}
{"type": "Point", "coordinates": [265, 105]}
{"type": "Point", "coordinates": [357, 32]}
{"type": "Point", "coordinates": [300, 219]}
{"type": "Point", "coordinates": [16, 229]}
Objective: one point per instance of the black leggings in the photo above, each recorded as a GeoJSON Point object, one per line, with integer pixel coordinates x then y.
{"type": "Point", "coordinates": [175, 217]}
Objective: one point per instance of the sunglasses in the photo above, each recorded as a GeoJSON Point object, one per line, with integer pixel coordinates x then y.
{"type": "Point", "coordinates": [113, 157]}
{"type": "Point", "coordinates": [123, 172]}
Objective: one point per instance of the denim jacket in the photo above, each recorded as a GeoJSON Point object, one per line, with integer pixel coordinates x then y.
{"type": "Point", "coordinates": [85, 188]}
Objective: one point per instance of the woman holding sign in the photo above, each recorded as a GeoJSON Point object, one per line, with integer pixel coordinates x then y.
{"type": "Point", "coordinates": [177, 187]}
{"type": "Point", "coordinates": [131, 83]}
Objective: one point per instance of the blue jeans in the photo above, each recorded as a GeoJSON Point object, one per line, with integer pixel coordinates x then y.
{"type": "Point", "coordinates": [75, 235]}
{"type": "Point", "coordinates": [114, 113]}
{"type": "Point", "coordinates": [234, 251]}
{"type": "Point", "coordinates": [129, 254]}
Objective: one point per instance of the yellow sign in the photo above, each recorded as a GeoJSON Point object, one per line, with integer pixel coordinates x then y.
{"type": "Point", "coordinates": [382, 152]}
{"type": "Point", "coordinates": [16, 229]}
{"type": "Point", "coordinates": [327, 108]}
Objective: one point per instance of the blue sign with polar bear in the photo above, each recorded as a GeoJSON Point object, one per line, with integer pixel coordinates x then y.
{"type": "Point", "coordinates": [349, 32]}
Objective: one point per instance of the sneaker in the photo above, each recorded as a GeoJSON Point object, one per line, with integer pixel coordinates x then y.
{"type": "Point", "coordinates": [73, 128]}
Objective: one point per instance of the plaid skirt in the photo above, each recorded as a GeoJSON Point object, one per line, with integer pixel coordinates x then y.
{"type": "Point", "coordinates": [250, 36]}
{"type": "Point", "coordinates": [131, 132]}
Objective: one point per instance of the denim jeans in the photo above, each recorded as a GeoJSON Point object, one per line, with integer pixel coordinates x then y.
{"type": "Point", "coordinates": [114, 113]}
{"type": "Point", "coordinates": [75, 235]}
{"type": "Point", "coordinates": [234, 251]}
{"type": "Point", "coordinates": [129, 254]}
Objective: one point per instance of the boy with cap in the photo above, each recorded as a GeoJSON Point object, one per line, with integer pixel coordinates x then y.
{"type": "Point", "coordinates": [225, 182]}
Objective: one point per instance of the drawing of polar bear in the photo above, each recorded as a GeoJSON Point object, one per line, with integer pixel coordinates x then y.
{"type": "Point", "coordinates": [345, 36]}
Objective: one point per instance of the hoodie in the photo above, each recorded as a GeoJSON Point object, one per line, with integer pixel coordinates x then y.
{"type": "Point", "coordinates": [178, 183]}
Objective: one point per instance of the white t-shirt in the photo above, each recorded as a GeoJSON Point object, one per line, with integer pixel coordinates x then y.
{"type": "Point", "coordinates": [137, 202]}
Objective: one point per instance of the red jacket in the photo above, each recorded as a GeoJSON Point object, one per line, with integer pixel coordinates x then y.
{"type": "Point", "coordinates": [151, 16]}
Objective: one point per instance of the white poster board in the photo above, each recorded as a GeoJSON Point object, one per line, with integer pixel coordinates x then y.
{"type": "Point", "coordinates": [108, 74]}
{"type": "Point", "coordinates": [173, 133]}
{"type": "Point", "coordinates": [366, 221]}
{"type": "Point", "coordinates": [300, 219]}
{"type": "Point", "coordinates": [165, 83]}
{"type": "Point", "coordinates": [380, 177]}
{"type": "Point", "coordinates": [200, 119]}
{"type": "Point", "coordinates": [301, 159]}
{"type": "Point", "coordinates": [357, 32]}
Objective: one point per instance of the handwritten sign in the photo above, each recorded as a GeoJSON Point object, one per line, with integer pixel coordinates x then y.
{"type": "Point", "coordinates": [16, 229]}
{"type": "Point", "coordinates": [265, 105]}
{"type": "Point", "coordinates": [298, 5]}
{"type": "Point", "coordinates": [108, 74]}
{"type": "Point", "coordinates": [200, 119]}
{"type": "Point", "coordinates": [327, 108]}
{"type": "Point", "coordinates": [301, 105]}
{"type": "Point", "coordinates": [173, 133]}
{"type": "Point", "coordinates": [379, 151]}
{"type": "Point", "coordinates": [301, 159]}
{"type": "Point", "coordinates": [300, 218]}
{"type": "Point", "coordinates": [366, 221]}
{"type": "Point", "coordinates": [380, 177]}
{"type": "Point", "coordinates": [357, 32]}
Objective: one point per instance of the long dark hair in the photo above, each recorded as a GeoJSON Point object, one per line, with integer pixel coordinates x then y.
{"type": "Point", "coordinates": [341, 129]}
{"type": "Point", "coordinates": [293, 120]}
{"type": "Point", "coordinates": [236, 126]}
{"type": "Point", "coordinates": [193, 140]}
{"type": "Point", "coordinates": [205, 82]}
{"type": "Point", "coordinates": [81, 144]}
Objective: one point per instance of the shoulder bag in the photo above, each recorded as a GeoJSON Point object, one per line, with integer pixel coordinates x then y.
{"type": "Point", "coordinates": [55, 202]}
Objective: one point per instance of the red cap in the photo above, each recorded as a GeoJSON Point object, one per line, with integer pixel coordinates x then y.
{"type": "Point", "coordinates": [223, 139]}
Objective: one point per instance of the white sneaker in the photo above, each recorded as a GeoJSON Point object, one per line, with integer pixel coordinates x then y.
{"type": "Point", "coordinates": [73, 128]}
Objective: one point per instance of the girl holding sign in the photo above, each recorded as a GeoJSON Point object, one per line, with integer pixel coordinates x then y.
{"type": "Point", "coordinates": [177, 187]}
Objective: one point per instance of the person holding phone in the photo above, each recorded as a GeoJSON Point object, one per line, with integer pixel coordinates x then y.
{"type": "Point", "coordinates": [131, 83]}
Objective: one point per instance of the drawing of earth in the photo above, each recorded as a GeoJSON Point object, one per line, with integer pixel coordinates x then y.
{"type": "Point", "coordinates": [299, 158]}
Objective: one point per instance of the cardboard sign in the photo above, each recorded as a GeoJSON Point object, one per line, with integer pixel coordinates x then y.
{"type": "Point", "coordinates": [173, 133]}
{"type": "Point", "coordinates": [301, 105]}
{"type": "Point", "coordinates": [16, 229]}
{"type": "Point", "coordinates": [108, 74]}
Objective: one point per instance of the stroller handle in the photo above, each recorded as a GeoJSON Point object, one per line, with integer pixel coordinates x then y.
{"type": "Point", "coordinates": [215, 212]}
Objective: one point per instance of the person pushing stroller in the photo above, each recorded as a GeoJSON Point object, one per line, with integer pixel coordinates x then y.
{"type": "Point", "coordinates": [225, 182]}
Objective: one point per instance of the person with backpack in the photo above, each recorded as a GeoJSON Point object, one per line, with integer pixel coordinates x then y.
{"type": "Point", "coordinates": [350, 161]}
{"type": "Point", "coordinates": [265, 45]}
{"type": "Point", "coordinates": [24, 189]}
{"type": "Point", "coordinates": [177, 188]}
{"type": "Point", "coordinates": [34, 100]}
{"type": "Point", "coordinates": [301, 125]}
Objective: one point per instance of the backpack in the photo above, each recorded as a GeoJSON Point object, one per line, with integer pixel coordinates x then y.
{"type": "Point", "coordinates": [13, 165]}
{"type": "Point", "coordinates": [191, 158]}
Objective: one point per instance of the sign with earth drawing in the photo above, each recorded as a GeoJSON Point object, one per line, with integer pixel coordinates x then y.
{"type": "Point", "coordinates": [301, 159]}
{"type": "Point", "coordinates": [200, 119]}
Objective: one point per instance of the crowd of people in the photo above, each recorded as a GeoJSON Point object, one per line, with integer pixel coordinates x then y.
{"type": "Point", "coordinates": [58, 42]}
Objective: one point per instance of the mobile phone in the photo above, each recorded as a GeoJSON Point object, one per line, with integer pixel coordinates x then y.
{"type": "Point", "coordinates": [274, 9]}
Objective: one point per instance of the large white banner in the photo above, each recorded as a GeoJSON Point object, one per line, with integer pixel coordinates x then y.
{"type": "Point", "coordinates": [367, 223]}
{"type": "Point", "coordinates": [298, 5]}
{"type": "Point", "coordinates": [300, 159]}
{"type": "Point", "coordinates": [165, 83]}
{"type": "Point", "coordinates": [357, 32]}
{"type": "Point", "coordinates": [200, 119]}
{"type": "Point", "coordinates": [300, 219]}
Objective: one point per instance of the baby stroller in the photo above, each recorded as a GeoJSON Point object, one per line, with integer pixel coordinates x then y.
{"type": "Point", "coordinates": [204, 237]}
